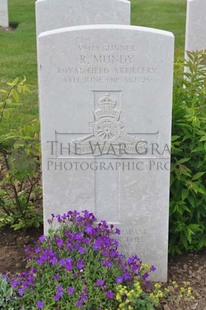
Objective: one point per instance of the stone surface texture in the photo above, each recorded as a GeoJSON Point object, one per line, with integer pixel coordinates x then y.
{"type": "Point", "coordinates": [53, 14]}
{"type": "Point", "coordinates": [105, 108]}
{"type": "Point", "coordinates": [4, 16]}
{"type": "Point", "coordinates": [195, 25]}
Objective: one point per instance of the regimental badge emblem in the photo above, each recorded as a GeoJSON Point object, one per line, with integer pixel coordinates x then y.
{"type": "Point", "coordinates": [108, 132]}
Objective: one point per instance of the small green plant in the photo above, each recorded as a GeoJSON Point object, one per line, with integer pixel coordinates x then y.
{"type": "Point", "coordinates": [20, 164]}
{"type": "Point", "coordinates": [188, 169]}
{"type": "Point", "coordinates": [7, 295]}
{"type": "Point", "coordinates": [136, 298]}
{"type": "Point", "coordinates": [171, 294]}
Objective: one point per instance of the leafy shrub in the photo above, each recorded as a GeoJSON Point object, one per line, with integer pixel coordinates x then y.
{"type": "Point", "coordinates": [78, 265]}
{"type": "Point", "coordinates": [188, 169]}
{"type": "Point", "coordinates": [20, 164]}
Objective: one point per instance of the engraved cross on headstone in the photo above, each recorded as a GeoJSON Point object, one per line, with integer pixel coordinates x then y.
{"type": "Point", "coordinates": [105, 146]}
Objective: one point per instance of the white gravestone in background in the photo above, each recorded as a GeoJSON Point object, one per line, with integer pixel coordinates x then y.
{"type": "Point", "coordinates": [105, 106]}
{"type": "Point", "coordinates": [4, 18]}
{"type": "Point", "coordinates": [196, 25]}
{"type": "Point", "coordinates": [53, 14]}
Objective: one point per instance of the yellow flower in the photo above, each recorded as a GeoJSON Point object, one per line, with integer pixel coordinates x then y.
{"type": "Point", "coordinates": [157, 285]}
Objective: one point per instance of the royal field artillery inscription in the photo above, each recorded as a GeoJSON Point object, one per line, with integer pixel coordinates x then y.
{"type": "Point", "coordinates": [107, 64]}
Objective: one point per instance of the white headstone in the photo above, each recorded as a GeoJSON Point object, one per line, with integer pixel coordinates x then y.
{"type": "Point", "coordinates": [54, 14]}
{"type": "Point", "coordinates": [105, 106]}
{"type": "Point", "coordinates": [4, 16]}
{"type": "Point", "coordinates": [195, 25]}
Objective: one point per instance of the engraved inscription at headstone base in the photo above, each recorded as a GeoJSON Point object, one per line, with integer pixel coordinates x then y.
{"type": "Point", "coordinates": [105, 106]}
{"type": "Point", "coordinates": [195, 25]}
{"type": "Point", "coordinates": [53, 14]}
{"type": "Point", "coordinates": [4, 18]}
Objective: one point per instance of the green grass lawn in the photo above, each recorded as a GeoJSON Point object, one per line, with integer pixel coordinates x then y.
{"type": "Point", "coordinates": [167, 15]}
{"type": "Point", "coordinates": [18, 58]}
{"type": "Point", "coordinates": [18, 48]}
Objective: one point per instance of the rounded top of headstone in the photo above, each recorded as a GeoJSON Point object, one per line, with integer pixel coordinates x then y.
{"type": "Point", "coordinates": [107, 27]}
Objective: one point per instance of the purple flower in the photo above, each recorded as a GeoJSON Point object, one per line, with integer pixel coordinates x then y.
{"type": "Point", "coordinates": [119, 279]}
{"type": "Point", "coordinates": [59, 218]}
{"type": "Point", "coordinates": [100, 282]}
{"type": "Point", "coordinates": [134, 267]}
{"type": "Point", "coordinates": [56, 276]}
{"type": "Point", "coordinates": [40, 260]}
{"type": "Point", "coordinates": [42, 239]}
{"type": "Point", "coordinates": [153, 268]}
{"type": "Point", "coordinates": [107, 263]}
{"type": "Point", "coordinates": [147, 284]}
{"type": "Point", "coordinates": [89, 230]}
{"type": "Point", "coordinates": [81, 250]}
{"type": "Point", "coordinates": [59, 242]}
{"type": "Point", "coordinates": [40, 304]}
{"type": "Point", "coordinates": [21, 291]}
{"type": "Point", "coordinates": [68, 266]}
{"type": "Point", "coordinates": [54, 260]}
{"type": "Point", "coordinates": [97, 244]}
{"type": "Point", "coordinates": [30, 279]}
{"type": "Point", "coordinates": [33, 270]}
{"type": "Point", "coordinates": [126, 276]}
{"type": "Point", "coordinates": [67, 233]}
{"type": "Point", "coordinates": [62, 262]}
{"type": "Point", "coordinates": [14, 283]}
{"type": "Point", "coordinates": [59, 288]}
{"type": "Point", "coordinates": [78, 236]}
{"type": "Point", "coordinates": [57, 297]}
{"type": "Point", "coordinates": [4, 276]}
{"type": "Point", "coordinates": [70, 290]}
{"type": "Point", "coordinates": [79, 303]}
{"type": "Point", "coordinates": [80, 232]}
{"type": "Point", "coordinates": [60, 292]}
{"type": "Point", "coordinates": [86, 241]}
{"type": "Point", "coordinates": [110, 294]}
{"type": "Point", "coordinates": [145, 276]}
{"type": "Point", "coordinates": [67, 263]}
{"type": "Point", "coordinates": [80, 264]}
{"type": "Point", "coordinates": [38, 249]}
{"type": "Point", "coordinates": [84, 297]}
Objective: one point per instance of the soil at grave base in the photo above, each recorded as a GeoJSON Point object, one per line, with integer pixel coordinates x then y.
{"type": "Point", "coordinates": [189, 267]}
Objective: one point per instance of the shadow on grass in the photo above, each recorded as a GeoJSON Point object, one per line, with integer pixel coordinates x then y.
{"type": "Point", "coordinates": [12, 27]}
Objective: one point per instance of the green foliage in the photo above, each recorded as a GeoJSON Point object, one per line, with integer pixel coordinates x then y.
{"type": "Point", "coordinates": [188, 169]}
{"type": "Point", "coordinates": [20, 162]}
{"type": "Point", "coordinates": [7, 295]}
{"type": "Point", "coordinates": [135, 297]}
